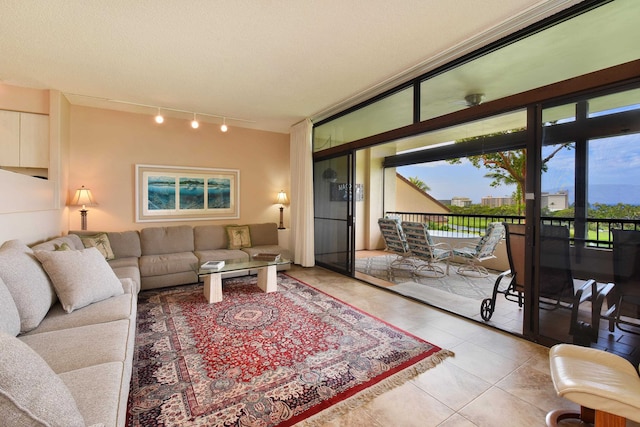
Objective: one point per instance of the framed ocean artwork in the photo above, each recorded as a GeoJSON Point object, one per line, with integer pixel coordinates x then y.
{"type": "Point", "coordinates": [179, 193]}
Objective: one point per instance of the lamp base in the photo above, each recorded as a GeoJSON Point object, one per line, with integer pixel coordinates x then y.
{"type": "Point", "coordinates": [83, 219]}
{"type": "Point", "coordinates": [281, 226]}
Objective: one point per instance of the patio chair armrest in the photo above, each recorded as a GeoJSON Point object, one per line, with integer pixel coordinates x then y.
{"type": "Point", "coordinates": [443, 245]}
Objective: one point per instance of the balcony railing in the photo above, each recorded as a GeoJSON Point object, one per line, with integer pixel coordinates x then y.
{"type": "Point", "coordinates": [598, 231]}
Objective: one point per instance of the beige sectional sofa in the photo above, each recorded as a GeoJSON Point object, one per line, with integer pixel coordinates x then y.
{"type": "Point", "coordinates": [67, 314]}
{"type": "Point", "coordinates": [60, 368]}
{"type": "Point", "coordinates": [169, 256]}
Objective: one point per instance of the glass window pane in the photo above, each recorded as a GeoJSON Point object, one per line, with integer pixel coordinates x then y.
{"type": "Point", "coordinates": [389, 113]}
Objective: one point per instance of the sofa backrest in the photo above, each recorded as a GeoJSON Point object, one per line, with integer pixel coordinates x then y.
{"type": "Point", "coordinates": [264, 234]}
{"type": "Point", "coordinates": [166, 240]}
{"type": "Point", "coordinates": [210, 237]}
{"type": "Point", "coordinates": [72, 240]}
{"type": "Point", "coordinates": [124, 244]}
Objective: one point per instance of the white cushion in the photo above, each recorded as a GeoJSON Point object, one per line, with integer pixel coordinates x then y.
{"type": "Point", "coordinates": [80, 277]}
{"type": "Point", "coordinates": [27, 282]}
{"type": "Point", "coordinates": [30, 393]}
{"type": "Point", "coordinates": [9, 317]}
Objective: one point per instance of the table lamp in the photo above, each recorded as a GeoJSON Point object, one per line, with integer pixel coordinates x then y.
{"type": "Point", "coordinates": [84, 198]}
{"type": "Point", "coordinates": [281, 200]}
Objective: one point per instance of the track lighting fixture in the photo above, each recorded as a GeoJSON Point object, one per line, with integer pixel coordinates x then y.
{"type": "Point", "coordinates": [159, 118]}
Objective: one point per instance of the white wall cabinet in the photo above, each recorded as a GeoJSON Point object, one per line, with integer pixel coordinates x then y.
{"type": "Point", "coordinates": [34, 141]}
{"type": "Point", "coordinates": [24, 140]}
{"type": "Point", "coordinates": [9, 138]}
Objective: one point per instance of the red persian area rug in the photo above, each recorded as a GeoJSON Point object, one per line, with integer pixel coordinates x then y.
{"type": "Point", "coordinates": [262, 359]}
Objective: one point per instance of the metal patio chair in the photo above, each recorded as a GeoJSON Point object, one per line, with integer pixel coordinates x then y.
{"type": "Point", "coordinates": [394, 240]}
{"type": "Point", "coordinates": [422, 248]}
{"type": "Point", "coordinates": [556, 280]}
{"type": "Point", "coordinates": [482, 251]}
{"type": "Point", "coordinates": [625, 304]}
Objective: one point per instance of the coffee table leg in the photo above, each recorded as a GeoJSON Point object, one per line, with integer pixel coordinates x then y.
{"type": "Point", "coordinates": [268, 278]}
{"type": "Point", "coordinates": [213, 287]}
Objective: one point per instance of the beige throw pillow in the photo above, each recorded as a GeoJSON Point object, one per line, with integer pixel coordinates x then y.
{"type": "Point", "coordinates": [80, 277]}
{"type": "Point", "coordinates": [9, 316]}
{"type": "Point", "coordinates": [101, 242]}
{"type": "Point", "coordinates": [239, 236]}
{"type": "Point", "coordinates": [27, 282]}
{"type": "Point", "coordinates": [31, 394]}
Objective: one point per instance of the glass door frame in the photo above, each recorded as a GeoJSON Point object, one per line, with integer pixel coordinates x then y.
{"type": "Point", "coordinates": [345, 263]}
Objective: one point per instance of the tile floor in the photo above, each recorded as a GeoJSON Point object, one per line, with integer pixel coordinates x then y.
{"type": "Point", "coordinates": [495, 379]}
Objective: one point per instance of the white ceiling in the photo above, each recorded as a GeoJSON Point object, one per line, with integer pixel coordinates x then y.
{"type": "Point", "coordinates": [270, 63]}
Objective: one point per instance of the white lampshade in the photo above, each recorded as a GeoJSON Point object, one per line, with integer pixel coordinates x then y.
{"type": "Point", "coordinates": [83, 197]}
{"type": "Point", "coordinates": [282, 198]}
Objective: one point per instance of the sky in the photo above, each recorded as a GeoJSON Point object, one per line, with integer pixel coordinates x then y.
{"type": "Point", "coordinates": [614, 174]}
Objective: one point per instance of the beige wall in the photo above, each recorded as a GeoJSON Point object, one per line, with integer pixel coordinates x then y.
{"type": "Point", "coordinates": [410, 199]}
{"type": "Point", "coordinates": [99, 149]}
{"type": "Point", "coordinates": [106, 145]}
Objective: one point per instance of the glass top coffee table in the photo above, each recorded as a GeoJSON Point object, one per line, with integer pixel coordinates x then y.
{"type": "Point", "coordinates": [267, 276]}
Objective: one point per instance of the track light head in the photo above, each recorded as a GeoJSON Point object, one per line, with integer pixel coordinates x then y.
{"type": "Point", "coordinates": [159, 119]}
{"type": "Point", "coordinates": [224, 127]}
{"type": "Point", "coordinates": [194, 122]}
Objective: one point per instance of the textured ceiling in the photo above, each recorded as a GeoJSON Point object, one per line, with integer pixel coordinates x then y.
{"type": "Point", "coordinates": [270, 63]}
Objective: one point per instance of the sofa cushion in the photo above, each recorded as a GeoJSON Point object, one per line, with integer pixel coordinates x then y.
{"type": "Point", "coordinates": [109, 310]}
{"type": "Point", "coordinates": [27, 282]}
{"type": "Point", "coordinates": [80, 277]}
{"type": "Point", "coordinates": [209, 237]}
{"type": "Point", "coordinates": [102, 402]}
{"type": "Point", "coordinates": [264, 234]}
{"type": "Point", "coordinates": [158, 265]}
{"type": "Point", "coordinates": [238, 236]}
{"type": "Point", "coordinates": [166, 240]}
{"type": "Point", "coordinates": [31, 394]}
{"type": "Point", "coordinates": [125, 244]}
{"type": "Point", "coordinates": [9, 317]}
{"type": "Point", "coordinates": [101, 242]}
{"type": "Point", "coordinates": [75, 348]}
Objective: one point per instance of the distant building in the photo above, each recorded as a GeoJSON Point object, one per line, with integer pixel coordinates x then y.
{"type": "Point", "coordinates": [494, 202]}
{"type": "Point", "coordinates": [462, 202]}
{"type": "Point", "coordinates": [555, 201]}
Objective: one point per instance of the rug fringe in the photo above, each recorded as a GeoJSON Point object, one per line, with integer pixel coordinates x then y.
{"type": "Point", "coordinates": [367, 395]}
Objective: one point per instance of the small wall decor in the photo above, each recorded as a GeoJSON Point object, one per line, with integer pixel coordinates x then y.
{"type": "Point", "coordinates": [177, 193]}
{"type": "Point", "coordinates": [339, 191]}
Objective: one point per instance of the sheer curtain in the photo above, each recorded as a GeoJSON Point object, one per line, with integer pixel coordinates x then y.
{"type": "Point", "coordinates": [302, 194]}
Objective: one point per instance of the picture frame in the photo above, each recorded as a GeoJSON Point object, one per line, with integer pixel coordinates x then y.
{"type": "Point", "coordinates": [181, 193]}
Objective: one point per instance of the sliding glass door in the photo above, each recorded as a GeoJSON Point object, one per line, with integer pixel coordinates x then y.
{"type": "Point", "coordinates": [334, 207]}
{"type": "Point", "coordinates": [589, 195]}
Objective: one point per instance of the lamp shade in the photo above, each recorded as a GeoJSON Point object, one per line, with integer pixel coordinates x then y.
{"type": "Point", "coordinates": [282, 198]}
{"type": "Point", "coordinates": [83, 197]}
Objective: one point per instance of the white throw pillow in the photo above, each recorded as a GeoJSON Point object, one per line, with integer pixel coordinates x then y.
{"type": "Point", "coordinates": [31, 394]}
{"type": "Point", "coordinates": [80, 277]}
{"type": "Point", "coordinates": [27, 282]}
{"type": "Point", "coordinates": [9, 316]}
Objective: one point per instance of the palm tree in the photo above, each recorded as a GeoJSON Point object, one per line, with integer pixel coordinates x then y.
{"type": "Point", "coordinates": [419, 183]}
